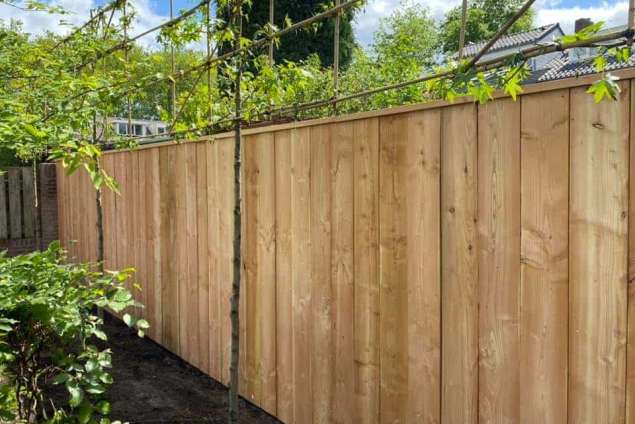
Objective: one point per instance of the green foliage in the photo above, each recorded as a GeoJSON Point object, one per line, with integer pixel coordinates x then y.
{"type": "Point", "coordinates": [484, 19]}
{"type": "Point", "coordinates": [605, 88]}
{"type": "Point", "coordinates": [317, 39]}
{"type": "Point", "coordinates": [582, 35]}
{"type": "Point", "coordinates": [48, 326]}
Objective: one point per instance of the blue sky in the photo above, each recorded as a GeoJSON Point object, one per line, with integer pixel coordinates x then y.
{"type": "Point", "coordinates": [153, 12]}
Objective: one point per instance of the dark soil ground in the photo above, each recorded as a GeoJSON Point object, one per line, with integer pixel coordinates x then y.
{"type": "Point", "coordinates": [154, 386]}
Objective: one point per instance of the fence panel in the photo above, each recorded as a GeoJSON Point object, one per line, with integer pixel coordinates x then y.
{"type": "Point", "coordinates": [446, 263]}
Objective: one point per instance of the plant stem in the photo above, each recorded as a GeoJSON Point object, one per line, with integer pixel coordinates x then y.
{"type": "Point", "coordinates": [235, 299]}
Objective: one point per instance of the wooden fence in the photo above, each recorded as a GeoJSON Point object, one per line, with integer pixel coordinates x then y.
{"type": "Point", "coordinates": [20, 228]}
{"type": "Point", "coordinates": [430, 263]}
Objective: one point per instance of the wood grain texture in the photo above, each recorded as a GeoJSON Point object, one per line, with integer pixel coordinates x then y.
{"type": "Point", "coordinates": [544, 257]}
{"type": "Point", "coordinates": [301, 276]}
{"type": "Point", "coordinates": [28, 201]}
{"type": "Point", "coordinates": [169, 271]}
{"type": "Point", "coordinates": [154, 254]}
{"type": "Point", "coordinates": [203, 256]}
{"type": "Point", "coordinates": [260, 271]}
{"type": "Point", "coordinates": [499, 261]}
{"type": "Point", "coordinates": [322, 296]}
{"type": "Point", "coordinates": [342, 271]}
{"type": "Point", "coordinates": [598, 257]}
{"type": "Point", "coordinates": [410, 268]}
{"type": "Point", "coordinates": [366, 333]}
{"type": "Point", "coordinates": [15, 204]}
{"type": "Point", "coordinates": [428, 265]}
{"type": "Point", "coordinates": [630, 347]}
{"type": "Point", "coordinates": [213, 238]}
{"type": "Point", "coordinates": [459, 278]}
{"type": "Point", "coordinates": [225, 184]}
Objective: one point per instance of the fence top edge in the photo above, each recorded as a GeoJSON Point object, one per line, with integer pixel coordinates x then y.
{"type": "Point", "coordinates": [623, 74]}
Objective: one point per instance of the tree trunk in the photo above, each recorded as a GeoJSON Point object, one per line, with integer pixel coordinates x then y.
{"type": "Point", "coordinates": [235, 299]}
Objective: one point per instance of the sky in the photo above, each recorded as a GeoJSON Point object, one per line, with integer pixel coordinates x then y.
{"type": "Point", "coordinates": [153, 12]}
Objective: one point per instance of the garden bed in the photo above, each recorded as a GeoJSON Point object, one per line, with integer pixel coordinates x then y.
{"type": "Point", "coordinates": [154, 386]}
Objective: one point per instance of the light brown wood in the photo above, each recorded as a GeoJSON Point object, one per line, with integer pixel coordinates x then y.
{"type": "Point", "coordinates": [459, 278]}
{"type": "Point", "coordinates": [342, 271]}
{"type": "Point", "coordinates": [544, 257]}
{"type": "Point", "coordinates": [260, 267]}
{"type": "Point", "coordinates": [499, 260]}
{"type": "Point", "coordinates": [410, 268]}
{"type": "Point", "coordinates": [154, 254]}
{"type": "Point", "coordinates": [225, 192]}
{"type": "Point", "coordinates": [598, 257]}
{"type": "Point", "coordinates": [169, 271]}
{"type": "Point", "coordinates": [284, 268]}
{"type": "Point", "coordinates": [213, 262]}
{"type": "Point", "coordinates": [189, 287]}
{"type": "Point", "coordinates": [630, 347]}
{"type": "Point", "coordinates": [203, 257]}
{"type": "Point", "coordinates": [322, 296]}
{"type": "Point", "coordinates": [430, 263]}
{"type": "Point", "coordinates": [301, 275]}
{"type": "Point", "coordinates": [366, 272]}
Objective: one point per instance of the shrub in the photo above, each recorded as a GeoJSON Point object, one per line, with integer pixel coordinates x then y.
{"type": "Point", "coordinates": [48, 329]}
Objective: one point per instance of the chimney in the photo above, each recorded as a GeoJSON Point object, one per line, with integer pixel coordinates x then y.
{"type": "Point", "coordinates": [582, 23]}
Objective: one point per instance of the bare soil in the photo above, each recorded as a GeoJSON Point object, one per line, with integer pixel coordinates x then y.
{"type": "Point", "coordinates": [154, 386]}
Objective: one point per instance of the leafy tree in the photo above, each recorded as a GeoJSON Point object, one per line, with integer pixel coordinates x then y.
{"type": "Point", "coordinates": [484, 19]}
{"type": "Point", "coordinates": [316, 40]}
{"type": "Point", "coordinates": [47, 337]}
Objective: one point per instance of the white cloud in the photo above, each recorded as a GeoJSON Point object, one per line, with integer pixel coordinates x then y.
{"type": "Point", "coordinates": [367, 21]}
{"type": "Point", "coordinates": [41, 22]}
{"type": "Point", "coordinates": [612, 13]}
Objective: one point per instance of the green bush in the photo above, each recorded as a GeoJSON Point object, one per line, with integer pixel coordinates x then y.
{"type": "Point", "coordinates": [48, 329]}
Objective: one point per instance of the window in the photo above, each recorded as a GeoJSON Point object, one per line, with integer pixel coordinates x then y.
{"type": "Point", "coordinates": [161, 130]}
{"type": "Point", "coordinates": [122, 129]}
{"type": "Point", "coordinates": [138, 129]}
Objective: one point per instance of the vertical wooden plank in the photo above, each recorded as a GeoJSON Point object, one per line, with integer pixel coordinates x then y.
{"type": "Point", "coordinates": [213, 207]}
{"type": "Point", "coordinates": [598, 257]}
{"type": "Point", "coordinates": [132, 206]}
{"type": "Point", "coordinates": [190, 289]}
{"type": "Point", "coordinates": [170, 253]}
{"type": "Point", "coordinates": [260, 270]}
{"type": "Point", "coordinates": [544, 256]}
{"type": "Point", "coordinates": [15, 203]}
{"type": "Point", "coordinates": [459, 275]}
{"type": "Point", "coordinates": [224, 186]}
{"type": "Point", "coordinates": [140, 184]}
{"type": "Point", "coordinates": [410, 268]}
{"type": "Point", "coordinates": [203, 283]}
{"type": "Point", "coordinates": [301, 275]}
{"type": "Point", "coordinates": [28, 201]}
{"type": "Point", "coordinates": [499, 260]}
{"type": "Point", "coordinates": [61, 209]}
{"type": "Point", "coordinates": [108, 205]}
{"type": "Point", "coordinates": [284, 267]}
{"type": "Point", "coordinates": [366, 248]}
{"type": "Point", "coordinates": [322, 364]}
{"type": "Point", "coordinates": [153, 253]}
{"type": "Point", "coordinates": [342, 270]}
{"type": "Point", "coordinates": [630, 348]}
{"type": "Point", "coordinates": [4, 229]}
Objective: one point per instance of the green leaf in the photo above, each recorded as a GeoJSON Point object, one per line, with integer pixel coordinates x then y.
{"type": "Point", "coordinates": [91, 366]}
{"type": "Point", "coordinates": [127, 318]}
{"type": "Point", "coordinates": [103, 407]}
{"type": "Point", "coordinates": [75, 392]}
{"type": "Point", "coordinates": [605, 88]}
